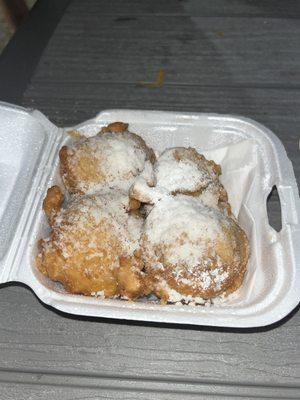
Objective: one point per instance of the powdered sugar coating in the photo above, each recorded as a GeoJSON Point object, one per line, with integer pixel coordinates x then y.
{"type": "Point", "coordinates": [94, 246]}
{"type": "Point", "coordinates": [189, 224]}
{"type": "Point", "coordinates": [175, 297]}
{"type": "Point", "coordinates": [106, 210]}
{"type": "Point", "coordinates": [182, 213]}
{"type": "Point", "coordinates": [184, 170]}
{"type": "Point", "coordinates": [109, 160]}
{"type": "Point", "coordinates": [177, 173]}
{"type": "Point", "coordinates": [186, 244]}
{"type": "Point", "coordinates": [194, 248]}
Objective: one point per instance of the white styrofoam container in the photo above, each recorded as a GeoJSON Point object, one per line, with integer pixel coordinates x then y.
{"type": "Point", "coordinates": [253, 160]}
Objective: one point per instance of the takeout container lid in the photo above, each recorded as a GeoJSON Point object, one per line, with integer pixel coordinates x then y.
{"type": "Point", "coordinates": [29, 145]}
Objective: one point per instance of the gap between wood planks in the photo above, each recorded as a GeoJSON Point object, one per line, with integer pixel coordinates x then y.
{"type": "Point", "coordinates": [148, 384]}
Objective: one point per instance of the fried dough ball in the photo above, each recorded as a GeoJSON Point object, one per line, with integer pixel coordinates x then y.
{"type": "Point", "coordinates": [93, 248]}
{"type": "Point", "coordinates": [111, 159]}
{"type": "Point", "coordinates": [185, 171]}
{"type": "Point", "coordinates": [52, 203]}
{"type": "Point", "coordinates": [192, 251]}
{"type": "Point", "coordinates": [132, 281]}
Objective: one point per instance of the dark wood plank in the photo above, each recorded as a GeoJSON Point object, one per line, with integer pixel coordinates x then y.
{"type": "Point", "coordinates": [211, 8]}
{"type": "Point", "coordinates": [274, 108]}
{"type": "Point", "coordinates": [41, 386]}
{"type": "Point", "coordinates": [239, 57]}
{"type": "Point", "coordinates": [197, 50]}
{"type": "Point", "coordinates": [38, 340]}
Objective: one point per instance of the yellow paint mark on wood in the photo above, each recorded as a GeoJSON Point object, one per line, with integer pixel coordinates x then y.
{"type": "Point", "coordinates": [160, 78]}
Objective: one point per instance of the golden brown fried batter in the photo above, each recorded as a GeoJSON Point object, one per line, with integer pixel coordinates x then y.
{"type": "Point", "coordinates": [131, 280]}
{"type": "Point", "coordinates": [52, 203]}
{"type": "Point", "coordinates": [188, 248]}
{"type": "Point", "coordinates": [111, 159]}
{"type": "Point", "coordinates": [185, 171]}
{"type": "Point", "coordinates": [88, 239]}
{"type": "Point", "coordinates": [116, 127]}
{"type": "Point", "coordinates": [191, 251]}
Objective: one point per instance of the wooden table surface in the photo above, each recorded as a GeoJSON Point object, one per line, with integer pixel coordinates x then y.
{"type": "Point", "coordinates": [240, 57]}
